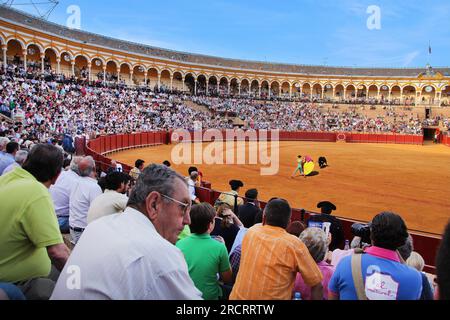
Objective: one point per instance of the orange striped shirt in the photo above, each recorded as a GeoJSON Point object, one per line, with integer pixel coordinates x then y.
{"type": "Point", "coordinates": [270, 260]}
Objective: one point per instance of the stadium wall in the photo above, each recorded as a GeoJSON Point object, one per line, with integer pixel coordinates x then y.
{"type": "Point", "coordinates": [446, 140]}
{"type": "Point", "coordinates": [424, 243]}
{"type": "Point", "coordinates": [69, 51]}
{"type": "Point", "coordinates": [309, 136]}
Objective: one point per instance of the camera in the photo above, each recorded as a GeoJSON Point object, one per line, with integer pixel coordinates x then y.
{"type": "Point", "coordinates": [362, 230]}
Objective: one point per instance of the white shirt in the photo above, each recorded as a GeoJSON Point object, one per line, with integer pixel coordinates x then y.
{"type": "Point", "coordinates": [105, 204]}
{"type": "Point", "coordinates": [122, 256]}
{"type": "Point", "coordinates": [61, 191]}
{"type": "Point", "coordinates": [239, 238]}
{"type": "Point", "coordinates": [191, 185]}
{"type": "Point", "coordinates": [86, 190]}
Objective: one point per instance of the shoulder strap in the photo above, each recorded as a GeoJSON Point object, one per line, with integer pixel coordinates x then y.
{"type": "Point", "coordinates": [402, 261]}
{"type": "Point", "coordinates": [357, 274]}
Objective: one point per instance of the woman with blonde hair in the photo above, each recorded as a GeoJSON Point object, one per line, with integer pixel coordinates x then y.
{"type": "Point", "coordinates": [416, 261]}
{"type": "Point", "coordinates": [317, 243]}
{"type": "Point", "coordinates": [227, 225]}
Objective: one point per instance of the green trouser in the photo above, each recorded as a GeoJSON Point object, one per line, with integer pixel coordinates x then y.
{"type": "Point", "coordinates": [299, 168]}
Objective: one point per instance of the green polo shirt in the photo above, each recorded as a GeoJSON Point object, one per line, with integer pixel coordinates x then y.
{"type": "Point", "coordinates": [205, 258]}
{"type": "Point", "coordinates": [185, 233]}
{"type": "Point", "coordinates": [28, 225]}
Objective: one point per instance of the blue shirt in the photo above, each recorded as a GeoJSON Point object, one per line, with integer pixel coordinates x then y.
{"type": "Point", "coordinates": [5, 161]}
{"type": "Point", "coordinates": [385, 278]}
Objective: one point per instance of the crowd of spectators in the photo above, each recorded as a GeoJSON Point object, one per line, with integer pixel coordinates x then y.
{"type": "Point", "coordinates": [48, 106]}
{"type": "Point", "coordinates": [44, 108]}
{"type": "Point", "coordinates": [303, 116]}
{"type": "Point", "coordinates": [144, 235]}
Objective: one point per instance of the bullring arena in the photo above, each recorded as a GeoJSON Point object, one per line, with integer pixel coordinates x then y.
{"type": "Point", "coordinates": [362, 178]}
{"type": "Point", "coordinates": [384, 131]}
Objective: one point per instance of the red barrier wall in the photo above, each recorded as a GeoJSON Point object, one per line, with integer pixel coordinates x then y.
{"type": "Point", "coordinates": [105, 144]}
{"type": "Point", "coordinates": [446, 140]}
{"type": "Point", "coordinates": [321, 137]}
{"type": "Point", "coordinates": [382, 138]}
{"type": "Point", "coordinates": [390, 138]}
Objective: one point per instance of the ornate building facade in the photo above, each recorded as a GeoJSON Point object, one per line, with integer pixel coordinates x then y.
{"type": "Point", "coordinates": [73, 52]}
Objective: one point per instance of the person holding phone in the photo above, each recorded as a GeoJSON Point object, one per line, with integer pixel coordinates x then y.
{"type": "Point", "coordinates": [227, 225]}
{"type": "Point", "coordinates": [336, 228]}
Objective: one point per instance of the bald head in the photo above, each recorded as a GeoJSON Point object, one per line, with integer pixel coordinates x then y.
{"type": "Point", "coordinates": [194, 175]}
{"type": "Point", "coordinates": [75, 163]}
{"type": "Point", "coordinates": [86, 166]}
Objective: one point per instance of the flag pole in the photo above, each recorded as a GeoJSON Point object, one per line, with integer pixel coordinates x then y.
{"type": "Point", "coordinates": [429, 52]}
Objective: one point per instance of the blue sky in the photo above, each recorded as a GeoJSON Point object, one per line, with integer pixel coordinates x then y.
{"type": "Point", "coordinates": [300, 32]}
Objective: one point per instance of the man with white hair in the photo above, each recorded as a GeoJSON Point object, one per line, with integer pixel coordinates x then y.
{"type": "Point", "coordinates": [20, 158]}
{"type": "Point", "coordinates": [192, 183]}
{"type": "Point", "coordinates": [3, 142]}
{"type": "Point", "coordinates": [61, 191]}
{"type": "Point", "coordinates": [85, 191]}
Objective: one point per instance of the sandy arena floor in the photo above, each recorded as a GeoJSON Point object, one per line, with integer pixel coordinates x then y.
{"type": "Point", "coordinates": [362, 179]}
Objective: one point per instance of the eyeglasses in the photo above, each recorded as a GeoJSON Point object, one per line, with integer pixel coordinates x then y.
{"type": "Point", "coordinates": [185, 207]}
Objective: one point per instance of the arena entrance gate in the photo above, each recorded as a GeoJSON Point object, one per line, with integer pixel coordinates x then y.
{"type": "Point", "coordinates": [428, 134]}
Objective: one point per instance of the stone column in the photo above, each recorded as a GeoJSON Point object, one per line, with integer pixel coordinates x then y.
{"type": "Point", "coordinates": [58, 65]}
{"type": "Point", "coordinates": [73, 68]}
{"type": "Point", "coordinates": [4, 49]}
{"type": "Point", "coordinates": [195, 87]}
{"type": "Point", "coordinates": [104, 74]}
{"type": "Point", "coordinates": [89, 72]}
{"type": "Point", "coordinates": [42, 63]}
{"type": "Point", "coordinates": [24, 52]}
